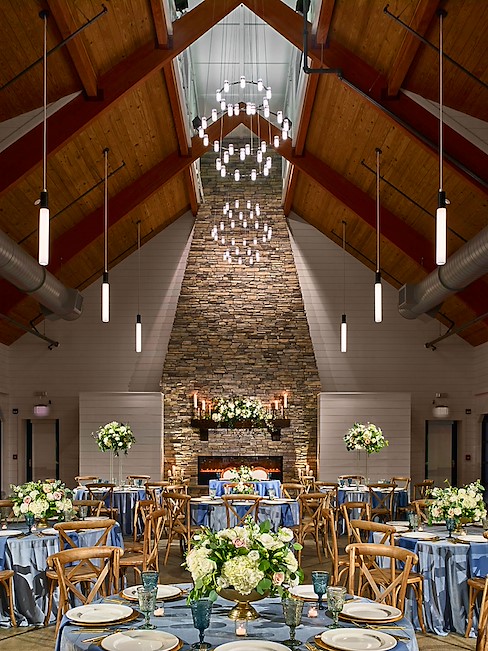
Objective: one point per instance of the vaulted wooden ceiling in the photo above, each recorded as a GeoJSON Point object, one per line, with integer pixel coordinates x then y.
{"type": "Point", "coordinates": [128, 101]}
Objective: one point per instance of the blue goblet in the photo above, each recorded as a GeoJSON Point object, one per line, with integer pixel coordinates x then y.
{"type": "Point", "coordinates": [320, 582]}
{"type": "Point", "coordinates": [29, 520]}
{"type": "Point", "coordinates": [450, 526]}
{"type": "Point", "coordinates": [201, 609]}
{"type": "Point", "coordinates": [150, 579]}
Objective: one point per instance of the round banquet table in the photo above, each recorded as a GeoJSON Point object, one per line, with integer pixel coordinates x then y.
{"type": "Point", "coordinates": [262, 487]}
{"type": "Point", "coordinates": [208, 512]}
{"type": "Point", "coordinates": [124, 500]}
{"type": "Point", "coordinates": [446, 567]}
{"type": "Point", "coordinates": [270, 626]}
{"type": "Point", "coordinates": [27, 556]}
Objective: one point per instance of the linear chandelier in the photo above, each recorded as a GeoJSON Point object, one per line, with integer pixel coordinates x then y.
{"type": "Point", "coordinates": [242, 231]}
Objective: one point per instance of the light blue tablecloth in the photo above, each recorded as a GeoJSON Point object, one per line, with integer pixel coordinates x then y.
{"type": "Point", "coordinates": [270, 626]}
{"type": "Point", "coordinates": [124, 501]}
{"type": "Point", "coordinates": [212, 514]}
{"type": "Point", "coordinates": [27, 556]}
{"type": "Point", "coordinates": [262, 487]}
{"type": "Point", "coordinates": [446, 567]}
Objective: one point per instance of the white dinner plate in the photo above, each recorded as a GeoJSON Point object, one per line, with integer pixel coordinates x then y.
{"type": "Point", "coordinates": [206, 499]}
{"type": "Point", "coordinates": [420, 535]}
{"type": "Point", "coordinates": [400, 528]}
{"type": "Point", "coordinates": [358, 639]}
{"type": "Point", "coordinates": [305, 591]}
{"type": "Point", "coordinates": [96, 518]}
{"type": "Point", "coordinates": [280, 500]}
{"type": "Point", "coordinates": [11, 532]}
{"type": "Point", "coordinates": [98, 613]}
{"type": "Point", "coordinates": [371, 611]}
{"type": "Point", "coordinates": [476, 538]}
{"type": "Point", "coordinates": [140, 640]}
{"type": "Point", "coordinates": [164, 592]}
{"type": "Point", "coordinates": [251, 645]}
{"type": "Point", "coordinates": [49, 531]}
{"type": "Point", "coordinates": [397, 523]}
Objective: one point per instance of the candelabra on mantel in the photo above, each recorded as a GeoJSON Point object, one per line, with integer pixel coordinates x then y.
{"type": "Point", "coordinates": [240, 413]}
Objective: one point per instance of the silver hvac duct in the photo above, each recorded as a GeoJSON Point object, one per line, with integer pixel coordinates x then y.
{"type": "Point", "coordinates": [468, 264]}
{"type": "Point", "coordinates": [20, 269]}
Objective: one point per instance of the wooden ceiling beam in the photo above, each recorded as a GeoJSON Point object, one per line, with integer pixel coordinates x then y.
{"type": "Point", "coordinates": [72, 242]}
{"type": "Point", "coordinates": [162, 23]}
{"type": "Point", "coordinates": [322, 21]}
{"type": "Point", "coordinates": [460, 155]}
{"type": "Point", "coordinates": [26, 153]}
{"type": "Point", "coordinates": [64, 19]}
{"type": "Point", "coordinates": [421, 19]}
{"type": "Point", "coordinates": [394, 229]}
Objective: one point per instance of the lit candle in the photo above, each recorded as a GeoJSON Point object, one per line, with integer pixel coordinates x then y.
{"type": "Point", "coordinates": [312, 612]}
{"type": "Point", "coordinates": [241, 627]}
{"type": "Point", "coordinates": [203, 407]}
{"type": "Point", "coordinates": [276, 405]}
{"type": "Point", "coordinates": [195, 400]}
{"type": "Point", "coordinates": [307, 469]}
{"type": "Point", "coordinates": [285, 400]}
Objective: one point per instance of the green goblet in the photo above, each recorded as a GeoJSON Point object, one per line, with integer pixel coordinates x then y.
{"type": "Point", "coordinates": [292, 612]}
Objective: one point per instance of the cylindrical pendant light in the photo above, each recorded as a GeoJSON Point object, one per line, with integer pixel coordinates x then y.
{"type": "Point", "coordinates": [138, 317]}
{"type": "Point", "coordinates": [44, 202]}
{"type": "Point", "coordinates": [441, 213]}
{"type": "Point", "coordinates": [105, 283]}
{"type": "Point", "coordinates": [378, 298]}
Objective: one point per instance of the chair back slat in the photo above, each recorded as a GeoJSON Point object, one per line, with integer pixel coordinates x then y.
{"type": "Point", "coordinates": [249, 507]}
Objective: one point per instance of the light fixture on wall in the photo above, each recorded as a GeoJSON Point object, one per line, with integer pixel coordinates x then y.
{"type": "Point", "coordinates": [105, 283]}
{"type": "Point", "coordinates": [439, 407]}
{"type": "Point", "coordinates": [42, 407]}
{"type": "Point", "coordinates": [44, 202]}
{"type": "Point", "coordinates": [344, 318]}
{"type": "Point", "coordinates": [138, 317]}
{"type": "Point", "coordinates": [441, 213]}
{"type": "Point", "coordinates": [378, 298]}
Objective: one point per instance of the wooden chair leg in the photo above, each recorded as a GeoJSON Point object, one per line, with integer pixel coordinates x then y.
{"type": "Point", "coordinates": [52, 586]}
{"type": "Point", "coordinates": [418, 589]}
{"type": "Point", "coordinates": [473, 593]}
{"type": "Point", "coordinates": [9, 591]}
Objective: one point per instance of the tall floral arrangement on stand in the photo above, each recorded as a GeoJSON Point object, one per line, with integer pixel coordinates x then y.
{"type": "Point", "coordinates": [117, 439]}
{"type": "Point", "coordinates": [367, 437]}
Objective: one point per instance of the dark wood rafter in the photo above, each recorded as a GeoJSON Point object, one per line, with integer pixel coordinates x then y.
{"type": "Point", "coordinates": [162, 23]}
{"type": "Point", "coordinates": [321, 23]}
{"type": "Point", "coordinates": [24, 155]}
{"type": "Point", "coordinates": [422, 126]}
{"type": "Point", "coordinates": [63, 17]}
{"type": "Point", "coordinates": [291, 183]}
{"type": "Point", "coordinates": [72, 242]}
{"type": "Point", "coordinates": [424, 12]}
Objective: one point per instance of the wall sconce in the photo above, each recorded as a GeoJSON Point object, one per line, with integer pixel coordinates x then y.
{"type": "Point", "coordinates": [42, 408]}
{"type": "Point", "coordinates": [439, 407]}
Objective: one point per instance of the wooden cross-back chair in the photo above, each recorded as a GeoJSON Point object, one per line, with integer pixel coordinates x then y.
{"type": "Point", "coordinates": [373, 572]}
{"type": "Point", "coordinates": [142, 510]}
{"type": "Point", "coordinates": [240, 507]}
{"type": "Point", "coordinates": [482, 637]}
{"type": "Point", "coordinates": [82, 479]}
{"type": "Point", "coordinates": [356, 511]}
{"type": "Point", "coordinates": [421, 508]}
{"type": "Point", "coordinates": [331, 489]}
{"type": "Point", "coordinates": [421, 490]}
{"type": "Point", "coordinates": [103, 492]}
{"type": "Point", "coordinates": [103, 527]}
{"type": "Point", "coordinates": [94, 507]}
{"type": "Point", "coordinates": [311, 520]}
{"type": "Point", "coordinates": [362, 531]}
{"type": "Point", "coordinates": [477, 585]}
{"type": "Point", "coordinates": [97, 567]}
{"type": "Point", "coordinates": [6, 509]}
{"type": "Point", "coordinates": [381, 500]}
{"type": "Point", "coordinates": [403, 483]}
{"type": "Point", "coordinates": [358, 478]}
{"type": "Point", "coordinates": [6, 579]}
{"type": "Point", "coordinates": [147, 557]}
{"type": "Point", "coordinates": [292, 490]}
{"type": "Point", "coordinates": [176, 507]}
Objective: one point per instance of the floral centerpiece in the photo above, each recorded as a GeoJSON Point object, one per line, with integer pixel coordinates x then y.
{"type": "Point", "coordinates": [367, 437]}
{"type": "Point", "coordinates": [44, 499]}
{"type": "Point", "coordinates": [227, 412]}
{"type": "Point", "coordinates": [247, 559]}
{"type": "Point", "coordinates": [115, 437]}
{"type": "Point", "coordinates": [240, 477]}
{"type": "Point", "coordinates": [463, 504]}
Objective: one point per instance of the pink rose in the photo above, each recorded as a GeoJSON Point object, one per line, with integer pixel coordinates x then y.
{"type": "Point", "coordinates": [57, 495]}
{"type": "Point", "coordinates": [278, 578]}
{"type": "Point", "coordinates": [27, 499]}
{"type": "Point", "coordinates": [238, 542]}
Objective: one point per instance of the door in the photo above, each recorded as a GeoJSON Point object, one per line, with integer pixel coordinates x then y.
{"type": "Point", "coordinates": [441, 451]}
{"type": "Point", "coordinates": [42, 449]}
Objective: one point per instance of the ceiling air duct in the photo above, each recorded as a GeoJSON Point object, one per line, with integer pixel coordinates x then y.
{"type": "Point", "coordinates": [28, 276]}
{"type": "Point", "coordinates": [465, 266]}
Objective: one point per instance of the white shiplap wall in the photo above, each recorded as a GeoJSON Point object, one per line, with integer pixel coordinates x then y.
{"type": "Point", "coordinates": [382, 357]}
{"type": "Point", "coordinates": [481, 380]}
{"type": "Point", "coordinates": [339, 411]}
{"type": "Point", "coordinates": [4, 368]}
{"type": "Point", "coordinates": [144, 413]}
{"type": "Point", "coordinates": [95, 356]}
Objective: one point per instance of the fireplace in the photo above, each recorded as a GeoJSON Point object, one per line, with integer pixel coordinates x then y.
{"type": "Point", "coordinates": [212, 467]}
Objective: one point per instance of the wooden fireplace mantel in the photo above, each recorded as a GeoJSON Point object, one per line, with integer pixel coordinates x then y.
{"type": "Point", "coordinates": [275, 426]}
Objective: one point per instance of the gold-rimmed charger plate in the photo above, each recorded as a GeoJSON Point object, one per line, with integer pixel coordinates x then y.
{"type": "Point", "coordinates": [352, 639]}
{"type": "Point", "coordinates": [165, 592]}
{"type": "Point", "coordinates": [370, 612]}
{"type": "Point", "coordinates": [134, 615]}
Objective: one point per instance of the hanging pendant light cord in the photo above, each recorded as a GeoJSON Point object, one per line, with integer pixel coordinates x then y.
{"type": "Point", "coordinates": [441, 95]}
{"type": "Point", "coordinates": [378, 267]}
{"type": "Point", "coordinates": [344, 265]}
{"type": "Point", "coordinates": [138, 266]}
{"type": "Point", "coordinates": [105, 213]}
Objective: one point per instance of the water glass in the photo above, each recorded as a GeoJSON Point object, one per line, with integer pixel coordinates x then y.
{"type": "Point", "coordinates": [320, 582]}
{"type": "Point", "coordinates": [83, 512]}
{"type": "Point", "coordinates": [29, 520]}
{"type": "Point", "coordinates": [147, 605]}
{"type": "Point", "coordinates": [212, 493]}
{"type": "Point", "coordinates": [413, 521]}
{"type": "Point", "coordinates": [150, 579]}
{"type": "Point", "coordinates": [292, 612]}
{"type": "Point", "coordinates": [201, 609]}
{"type": "Point", "coordinates": [271, 493]}
{"type": "Point", "coordinates": [336, 597]}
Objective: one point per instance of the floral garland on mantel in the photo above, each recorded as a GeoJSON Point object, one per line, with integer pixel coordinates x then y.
{"type": "Point", "coordinates": [229, 412]}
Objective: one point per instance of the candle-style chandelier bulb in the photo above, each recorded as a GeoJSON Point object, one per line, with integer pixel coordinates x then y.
{"type": "Point", "coordinates": [260, 85]}
{"type": "Point", "coordinates": [242, 154]}
{"type": "Point", "coordinates": [257, 208]}
{"type": "Point", "coordinates": [236, 203]}
{"type": "Point", "coordinates": [279, 117]}
{"type": "Point", "coordinates": [205, 140]}
{"type": "Point", "coordinates": [237, 175]}
{"type": "Point", "coordinates": [253, 175]}
{"type": "Point", "coordinates": [268, 93]}
{"type": "Point", "coordinates": [226, 157]}
{"type": "Point", "coordinates": [201, 132]}
{"type": "Point", "coordinates": [236, 109]}
{"type": "Point", "coordinates": [263, 146]}
{"type": "Point", "coordinates": [216, 146]}
{"type": "Point", "coordinates": [218, 96]}
{"type": "Point", "coordinates": [242, 81]}
{"type": "Point", "coordinates": [258, 256]}
{"type": "Point", "coordinates": [218, 164]}
{"type": "Point", "coordinates": [223, 105]}
{"type": "Point", "coordinates": [231, 149]}
{"type": "Point", "coordinates": [265, 171]}
{"type": "Point", "coordinates": [226, 86]}
{"type": "Point", "coordinates": [204, 122]}
{"type": "Point", "coordinates": [214, 114]}
{"type": "Point", "coordinates": [259, 156]}
{"type": "Point", "coordinates": [222, 171]}
{"type": "Point", "coordinates": [244, 223]}
{"type": "Point", "coordinates": [284, 134]}
{"type": "Point", "coordinates": [247, 149]}
{"type": "Point", "coordinates": [230, 110]}
{"type": "Point", "coordinates": [276, 141]}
